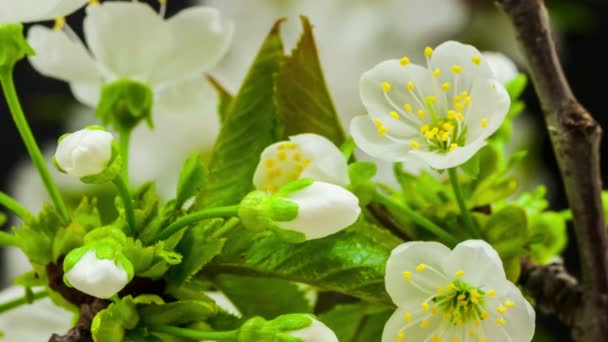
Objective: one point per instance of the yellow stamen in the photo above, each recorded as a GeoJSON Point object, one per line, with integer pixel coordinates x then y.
{"type": "Point", "coordinates": [501, 309]}
{"type": "Point", "coordinates": [451, 114]}
{"type": "Point", "coordinates": [457, 69]}
{"type": "Point", "coordinates": [445, 86]}
{"type": "Point", "coordinates": [420, 267]}
{"type": "Point", "coordinates": [269, 163]}
{"type": "Point", "coordinates": [459, 106]}
{"type": "Point", "coordinates": [428, 51]}
{"type": "Point", "coordinates": [271, 188]}
{"type": "Point", "coordinates": [425, 306]}
{"type": "Point", "coordinates": [459, 116]}
{"type": "Point", "coordinates": [282, 155]}
{"type": "Point", "coordinates": [484, 315]}
{"type": "Point", "coordinates": [424, 128]}
{"type": "Point", "coordinates": [509, 303]}
{"type": "Point", "coordinates": [408, 107]}
{"type": "Point", "coordinates": [436, 72]}
{"type": "Point", "coordinates": [424, 324]}
{"type": "Point", "coordinates": [407, 317]}
{"type": "Point", "coordinates": [483, 339]}
{"type": "Point", "coordinates": [414, 144]}
{"type": "Point", "coordinates": [484, 123]}
{"type": "Point", "coordinates": [436, 339]}
{"type": "Point", "coordinates": [394, 115]}
{"type": "Point", "coordinates": [93, 2]}
{"type": "Point", "coordinates": [386, 86]}
{"type": "Point", "coordinates": [407, 275]}
{"type": "Point", "coordinates": [410, 86]}
{"type": "Point", "coordinates": [444, 136]}
{"type": "Point", "coordinates": [430, 99]}
{"type": "Point", "coordinates": [472, 333]}
{"type": "Point", "coordinates": [501, 321]}
{"type": "Point", "coordinates": [404, 61]}
{"type": "Point", "coordinates": [491, 293]}
{"type": "Point", "coordinates": [382, 131]}
{"type": "Point", "coordinates": [460, 273]}
{"type": "Point", "coordinates": [476, 60]}
{"type": "Point", "coordinates": [297, 157]}
{"type": "Point", "coordinates": [453, 147]}
{"type": "Point", "coordinates": [421, 113]}
{"type": "Point", "coordinates": [59, 24]}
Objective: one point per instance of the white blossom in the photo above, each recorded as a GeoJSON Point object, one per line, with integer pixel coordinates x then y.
{"type": "Point", "coordinates": [128, 40]}
{"type": "Point", "coordinates": [454, 295]}
{"type": "Point", "coordinates": [85, 152]}
{"type": "Point", "coordinates": [441, 114]}
{"type": "Point", "coordinates": [323, 209]}
{"type": "Point", "coordinates": [304, 156]}
{"type": "Point", "coordinates": [315, 332]}
{"type": "Point", "coordinates": [503, 67]}
{"type": "Point", "coordinates": [26, 11]}
{"type": "Point", "coordinates": [101, 278]}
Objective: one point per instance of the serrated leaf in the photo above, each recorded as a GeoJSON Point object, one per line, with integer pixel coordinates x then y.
{"type": "Point", "coordinates": [357, 322]}
{"type": "Point", "coordinates": [550, 230]}
{"type": "Point", "coordinates": [249, 127]}
{"type": "Point", "coordinates": [146, 204]}
{"type": "Point", "coordinates": [36, 235]}
{"type": "Point", "coordinates": [224, 98]}
{"type": "Point", "coordinates": [177, 313]}
{"type": "Point", "coordinates": [197, 250]}
{"type": "Point", "coordinates": [269, 298]}
{"type": "Point", "coordinates": [303, 100]}
{"type": "Point", "coordinates": [87, 214]}
{"type": "Point", "coordinates": [350, 262]}
{"type": "Point", "coordinates": [191, 179]}
{"type": "Point", "coordinates": [66, 239]}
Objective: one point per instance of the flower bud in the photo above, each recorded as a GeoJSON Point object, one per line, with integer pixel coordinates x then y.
{"type": "Point", "coordinates": [289, 327]}
{"type": "Point", "coordinates": [99, 270]}
{"type": "Point", "coordinates": [88, 154]}
{"type": "Point", "coordinates": [125, 103]}
{"type": "Point", "coordinates": [315, 332]}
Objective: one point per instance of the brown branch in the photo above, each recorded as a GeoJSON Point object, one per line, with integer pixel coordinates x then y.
{"type": "Point", "coordinates": [575, 136]}
{"type": "Point", "coordinates": [81, 332]}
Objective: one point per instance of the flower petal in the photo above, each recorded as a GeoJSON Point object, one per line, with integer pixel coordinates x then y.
{"type": "Point", "coordinates": [503, 67]}
{"type": "Point", "coordinates": [381, 102]}
{"type": "Point", "coordinates": [519, 317]}
{"type": "Point", "coordinates": [481, 265]}
{"type": "Point", "coordinates": [327, 162]}
{"type": "Point", "coordinates": [101, 278]}
{"type": "Point", "coordinates": [201, 37]}
{"type": "Point", "coordinates": [315, 332]}
{"type": "Point", "coordinates": [442, 161]}
{"type": "Point", "coordinates": [413, 329]}
{"type": "Point", "coordinates": [323, 209]}
{"type": "Point", "coordinates": [60, 57]}
{"type": "Point", "coordinates": [421, 284]}
{"type": "Point", "coordinates": [24, 11]}
{"type": "Point", "coordinates": [128, 38]}
{"type": "Point", "coordinates": [188, 97]}
{"type": "Point", "coordinates": [65, 7]}
{"type": "Point", "coordinates": [489, 101]}
{"type": "Point", "coordinates": [367, 139]}
{"type": "Point", "coordinates": [452, 53]}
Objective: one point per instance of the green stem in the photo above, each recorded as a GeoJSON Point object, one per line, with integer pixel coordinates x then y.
{"type": "Point", "coordinates": [466, 215]}
{"type": "Point", "coordinates": [184, 221]}
{"type": "Point", "coordinates": [10, 93]}
{"type": "Point", "coordinates": [125, 195]}
{"type": "Point", "coordinates": [417, 218]}
{"type": "Point", "coordinates": [14, 206]}
{"type": "Point", "coordinates": [195, 334]}
{"type": "Point", "coordinates": [17, 302]}
{"type": "Point", "coordinates": [124, 141]}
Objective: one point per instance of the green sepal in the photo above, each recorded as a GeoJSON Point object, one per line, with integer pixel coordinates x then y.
{"type": "Point", "coordinates": [277, 330]}
{"type": "Point", "coordinates": [253, 211]}
{"type": "Point", "coordinates": [191, 180]}
{"type": "Point", "coordinates": [124, 103]}
{"type": "Point", "coordinates": [110, 232]}
{"type": "Point", "coordinates": [13, 46]}
{"type": "Point", "coordinates": [110, 324]}
{"type": "Point", "coordinates": [109, 173]}
{"type": "Point", "coordinates": [294, 186]}
{"type": "Point", "coordinates": [282, 210]}
{"type": "Point", "coordinates": [67, 239]}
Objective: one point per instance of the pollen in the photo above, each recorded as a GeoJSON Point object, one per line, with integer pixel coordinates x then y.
{"type": "Point", "coordinates": [446, 86]}
{"type": "Point", "coordinates": [436, 339]}
{"type": "Point", "coordinates": [394, 115]}
{"type": "Point", "coordinates": [414, 144]}
{"type": "Point", "coordinates": [407, 317]}
{"type": "Point", "coordinates": [287, 146]}
{"type": "Point", "coordinates": [454, 339]}
{"type": "Point", "coordinates": [282, 155]}
{"type": "Point", "coordinates": [421, 113]}
{"type": "Point", "coordinates": [59, 24]}
{"type": "Point", "coordinates": [459, 106]}
{"type": "Point", "coordinates": [484, 315]}
{"type": "Point", "coordinates": [501, 321]}
{"type": "Point", "coordinates": [410, 86]}
{"type": "Point", "coordinates": [460, 273]}
{"type": "Point", "coordinates": [509, 303]}
{"type": "Point", "coordinates": [452, 147]}
{"type": "Point", "coordinates": [436, 72]}
{"type": "Point", "coordinates": [420, 267]}
{"type": "Point", "coordinates": [93, 2]}
{"type": "Point", "coordinates": [483, 339]}
{"type": "Point", "coordinates": [407, 275]}
{"type": "Point", "coordinates": [297, 157]}
{"type": "Point", "coordinates": [428, 51]}
{"type": "Point", "coordinates": [269, 163]}
{"type": "Point", "coordinates": [425, 306]}
{"type": "Point", "coordinates": [444, 136]}
{"type": "Point", "coordinates": [459, 116]}
{"type": "Point", "coordinates": [451, 114]}
{"type": "Point", "coordinates": [382, 131]}
{"type": "Point", "coordinates": [501, 309]}
{"type": "Point", "coordinates": [484, 123]}
{"type": "Point", "coordinates": [472, 333]}
{"type": "Point", "coordinates": [430, 99]}
{"type": "Point", "coordinates": [408, 107]}
{"type": "Point", "coordinates": [274, 173]}
{"type": "Point", "coordinates": [476, 60]}
{"type": "Point", "coordinates": [404, 61]}
{"type": "Point", "coordinates": [457, 69]}
{"type": "Point", "coordinates": [491, 293]}
{"type": "Point", "coordinates": [424, 324]}
{"type": "Point", "coordinates": [424, 128]}
{"type": "Point", "coordinates": [386, 86]}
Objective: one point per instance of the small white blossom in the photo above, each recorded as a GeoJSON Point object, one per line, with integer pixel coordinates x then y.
{"type": "Point", "coordinates": [304, 156]}
{"type": "Point", "coordinates": [27, 11]}
{"type": "Point", "coordinates": [503, 67]}
{"type": "Point", "coordinates": [441, 114]}
{"type": "Point", "coordinates": [315, 332]}
{"type": "Point", "coordinates": [128, 40]}
{"type": "Point", "coordinates": [85, 152]}
{"type": "Point", "coordinates": [323, 209]}
{"type": "Point", "coordinates": [101, 278]}
{"type": "Point", "coordinates": [454, 295]}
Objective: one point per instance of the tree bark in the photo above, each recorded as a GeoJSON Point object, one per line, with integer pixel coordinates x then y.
{"type": "Point", "coordinates": [575, 136]}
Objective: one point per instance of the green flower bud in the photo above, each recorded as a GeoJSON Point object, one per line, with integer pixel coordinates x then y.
{"type": "Point", "coordinates": [124, 103]}
{"type": "Point", "coordinates": [13, 45]}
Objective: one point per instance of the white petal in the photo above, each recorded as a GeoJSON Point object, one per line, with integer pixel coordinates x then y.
{"type": "Point", "coordinates": [503, 67]}
{"type": "Point", "coordinates": [59, 57]}
{"type": "Point", "coordinates": [379, 103]}
{"type": "Point", "coordinates": [442, 161]}
{"type": "Point", "coordinates": [86, 92]}
{"type": "Point", "coordinates": [316, 332]}
{"type": "Point", "coordinates": [280, 163]}
{"type": "Point", "coordinates": [323, 209]}
{"type": "Point", "coordinates": [85, 152]}
{"type": "Point", "coordinates": [453, 53]}
{"type": "Point", "coordinates": [128, 38]}
{"type": "Point", "coordinates": [406, 258]}
{"type": "Point", "coordinates": [65, 7]}
{"type": "Point", "coordinates": [100, 278]}
{"type": "Point", "coordinates": [520, 318]}
{"type": "Point", "coordinates": [481, 265]}
{"type": "Point", "coordinates": [412, 330]}
{"type": "Point", "coordinates": [367, 138]}
{"type": "Point", "coordinates": [327, 162]}
{"type": "Point", "coordinates": [188, 97]}
{"type": "Point", "coordinates": [200, 39]}
{"type": "Point", "coordinates": [490, 101]}
{"type": "Point", "coordinates": [23, 11]}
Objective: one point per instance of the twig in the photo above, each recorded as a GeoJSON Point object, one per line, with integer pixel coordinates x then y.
{"type": "Point", "coordinates": [575, 136]}
{"type": "Point", "coordinates": [81, 332]}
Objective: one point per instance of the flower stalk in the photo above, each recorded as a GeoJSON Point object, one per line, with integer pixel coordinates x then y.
{"type": "Point", "coordinates": [17, 302]}
{"type": "Point", "coordinates": [466, 215]}
{"type": "Point", "coordinates": [125, 195]}
{"type": "Point", "coordinates": [14, 206]}
{"type": "Point", "coordinates": [208, 213]}
{"type": "Point", "coordinates": [195, 334]}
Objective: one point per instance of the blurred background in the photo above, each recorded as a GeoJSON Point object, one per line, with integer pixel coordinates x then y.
{"type": "Point", "coordinates": [352, 36]}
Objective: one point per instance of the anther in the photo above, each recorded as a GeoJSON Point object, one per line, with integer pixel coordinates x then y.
{"type": "Point", "coordinates": [404, 61]}
{"type": "Point", "coordinates": [424, 324]}
{"type": "Point", "coordinates": [410, 86]}
{"type": "Point", "coordinates": [457, 69]}
{"type": "Point", "coordinates": [453, 147]}
{"type": "Point", "coordinates": [59, 24]}
{"type": "Point", "coordinates": [476, 60]}
{"type": "Point", "coordinates": [484, 123]}
{"type": "Point", "coordinates": [407, 317]}
{"type": "Point", "coordinates": [425, 306]}
{"type": "Point", "coordinates": [445, 86]}
{"type": "Point", "coordinates": [386, 86]}
{"type": "Point", "coordinates": [501, 309]}
{"type": "Point", "coordinates": [394, 115]}
{"type": "Point", "coordinates": [408, 107]}
{"type": "Point", "coordinates": [460, 273]}
{"type": "Point", "coordinates": [421, 113]}
{"type": "Point", "coordinates": [509, 303]}
{"type": "Point", "coordinates": [428, 51]}
{"type": "Point", "coordinates": [407, 275]}
{"type": "Point", "coordinates": [414, 144]}
{"type": "Point", "coordinates": [501, 321]}
{"type": "Point", "coordinates": [420, 267]}
{"type": "Point", "coordinates": [436, 72]}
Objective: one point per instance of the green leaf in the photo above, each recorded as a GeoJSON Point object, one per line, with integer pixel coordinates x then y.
{"type": "Point", "coordinates": [146, 205]}
{"type": "Point", "coordinates": [249, 127]}
{"type": "Point", "coordinates": [471, 167]}
{"type": "Point", "coordinates": [350, 262]}
{"type": "Point", "coordinates": [36, 235]}
{"type": "Point", "coordinates": [269, 298]}
{"type": "Point", "coordinates": [508, 224]}
{"type": "Point", "coordinates": [550, 230]}
{"type": "Point", "coordinates": [197, 250]}
{"type": "Point", "coordinates": [109, 325]}
{"type": "Point", "coordinates": [516, 86]}
{"type": "Point", "coordinates": [67, 239]}
{"type": "Point", "coordinates": [224, 97]}
{"type": "Point", "coordinates": [177, 313]}
{"type": "Point", "coordinates": [358, 322]}
{"type": "Point", "coordinates": [361, 184]}
{"type": "Point", "coordinates": [191, 179]}
{"type": "Point", "coordinates": [303, 100]}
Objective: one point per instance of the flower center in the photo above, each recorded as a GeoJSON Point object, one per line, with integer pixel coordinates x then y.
{"type": "Point", "coordinates": [283, 166]}
{"type": "Point", "coordinates": [461, 303]}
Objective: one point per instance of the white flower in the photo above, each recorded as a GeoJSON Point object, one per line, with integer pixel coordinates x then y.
{"type": "Point", "coordinates": [304, 156]}
{"type": "Point", "coordinates": [101, 278]}
{"type": "Point", "coordinates": [26, 11]}
{"type": "Point", "coordinates": [128, 40]}
{"type": "Point", "coordinates": [323, 209]}
{"type": "Point", "coordinates": [503, 67]}
{"type": "Point", "coordinates": [454, 295]}
{"type": "Point", "coordinates": [441, 114]}
{"type": "Point", "coordinates": [85, 152]}
{"type": "Point", "coordinates": [315, 332]}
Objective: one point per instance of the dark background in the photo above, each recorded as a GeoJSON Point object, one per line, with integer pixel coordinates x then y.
{"type": "Point", "coordinates": [583, 26]}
